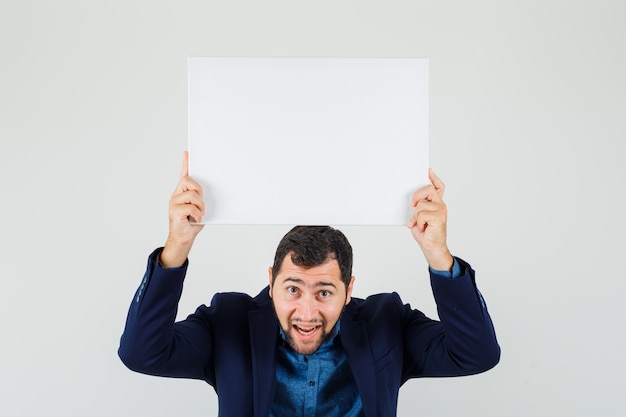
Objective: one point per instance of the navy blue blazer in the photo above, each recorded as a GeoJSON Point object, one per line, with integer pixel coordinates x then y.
{"type": "Point", "coordinates": [231, 344]}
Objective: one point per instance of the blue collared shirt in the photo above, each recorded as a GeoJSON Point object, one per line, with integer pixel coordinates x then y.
{"type": "Point", "coordinates": [320, 384]}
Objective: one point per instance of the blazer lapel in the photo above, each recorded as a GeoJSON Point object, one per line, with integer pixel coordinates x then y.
{"type": "Point", "coordinates": [356, 344]}
{"type": "Point", "coordinates": [263, 337]}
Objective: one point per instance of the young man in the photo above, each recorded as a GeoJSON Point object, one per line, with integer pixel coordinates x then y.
{"type": "Point", "coordinates": [303, 346]}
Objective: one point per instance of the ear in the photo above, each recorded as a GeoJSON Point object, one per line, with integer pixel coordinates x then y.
{"type": "Point", "coordinates": [269, 272]}
{"type": "Point", "coordinates": [349, 291]}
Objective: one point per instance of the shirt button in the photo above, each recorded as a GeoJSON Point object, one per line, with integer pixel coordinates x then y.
{"type": "Point", "coordinates": [311, 383]}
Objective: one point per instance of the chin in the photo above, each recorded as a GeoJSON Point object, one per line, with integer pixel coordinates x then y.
{"type": "Point", "coordinates": [310, 346]}
{"type": "Point", "coordinates": [305, 350]}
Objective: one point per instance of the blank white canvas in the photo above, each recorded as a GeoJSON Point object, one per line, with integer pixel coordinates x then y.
{"type": "Point", "coordinates": [341, 141]}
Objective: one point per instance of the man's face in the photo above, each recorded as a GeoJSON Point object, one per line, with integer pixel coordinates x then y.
{"type": "Point", "coordinates": [308, 302]}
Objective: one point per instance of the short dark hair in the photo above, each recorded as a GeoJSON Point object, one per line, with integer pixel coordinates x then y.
{"type": "Point", "coordinates": [312, 246]}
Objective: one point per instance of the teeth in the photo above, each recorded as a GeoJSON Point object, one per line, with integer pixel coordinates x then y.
{"type": "Point", "coordinates": [305, 331]}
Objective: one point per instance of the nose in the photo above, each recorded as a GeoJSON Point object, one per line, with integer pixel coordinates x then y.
{"type": "Point", "coordinates": [307, 309]}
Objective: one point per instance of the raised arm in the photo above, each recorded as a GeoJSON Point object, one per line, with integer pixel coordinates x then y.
{"type": "Point", "coordinates": [464, 341]}
{"type": "Point", "coordinates": [152, 342]}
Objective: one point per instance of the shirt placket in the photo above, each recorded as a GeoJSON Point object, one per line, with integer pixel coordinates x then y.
{"type": "Point", "coordinates": [312, 386]}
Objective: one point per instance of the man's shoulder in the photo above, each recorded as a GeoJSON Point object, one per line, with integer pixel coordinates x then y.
{"type": "Point", "coordinates": [383, 315]}
{"type": "Point", "coordinates": [374, 299]}
{"type": "Point", "coordinates": [243, 300]}
{"type": "Point", "coordinates": [375, 304]}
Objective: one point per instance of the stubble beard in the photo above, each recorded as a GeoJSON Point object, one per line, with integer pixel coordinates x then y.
{"type": "Point", "coordinates": [308, 350]}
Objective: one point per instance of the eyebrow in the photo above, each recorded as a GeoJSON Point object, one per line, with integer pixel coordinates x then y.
{"type": "Point", "coordinates": [317, 284]}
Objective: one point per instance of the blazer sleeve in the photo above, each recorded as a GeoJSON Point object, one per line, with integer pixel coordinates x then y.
{"type": "Point", "coordinates": [463, 342]}
{"type": "Point", "coordinates": [152, 343]}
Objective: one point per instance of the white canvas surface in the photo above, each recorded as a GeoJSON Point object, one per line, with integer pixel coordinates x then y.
{"type": "Point", "coordinates": [341, 141]}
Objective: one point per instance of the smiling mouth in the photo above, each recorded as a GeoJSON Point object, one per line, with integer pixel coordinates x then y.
{"type": "Point", "coordinates": [306, 331]}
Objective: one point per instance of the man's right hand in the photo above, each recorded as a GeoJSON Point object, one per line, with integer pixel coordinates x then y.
{"type": "Point", "coordinates": [186, 206]}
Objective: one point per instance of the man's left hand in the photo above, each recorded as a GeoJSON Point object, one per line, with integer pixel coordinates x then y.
{"type": "Point", "coordinates": [428, 223]}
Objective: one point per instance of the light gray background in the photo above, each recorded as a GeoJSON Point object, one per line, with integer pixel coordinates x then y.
{"type": "Point", "coordinates": [527, 129]}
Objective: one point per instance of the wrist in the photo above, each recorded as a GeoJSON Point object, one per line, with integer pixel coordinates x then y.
{"type": "Point", "coordinates": [440, 261]}
{"type": "Point", "coordinates": [174, 255]}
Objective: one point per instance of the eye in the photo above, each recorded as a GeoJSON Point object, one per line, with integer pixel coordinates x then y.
{"type": "Point", "coordinates": [324, 294]}
{"type": "Point", "coordinates": [292, 290]}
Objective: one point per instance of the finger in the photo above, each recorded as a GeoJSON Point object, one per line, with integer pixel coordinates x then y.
{"type": "Point", "coordinates": [427, 208]}
{"type": "Point", "coordinates": [414, 217]}
{"type": "Point", "coordinates": [184, 172]}
{"type": "Point", "coordinates": [188, 184]}
{"type": "Point", "coordinates": [419, 220]}
{"type": "Point", "coordinates": [436, 181]}
{"type": "Point", "coordinates": [187, 212]}
{"type": "Point", "coordinates": [188, 198]}
{"type": "Point", "coordinates": [428, 193]}
{"type": "Point", "coordinates": [186, 201]}
{"type": "Point", "coordinates": [431, 217]}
